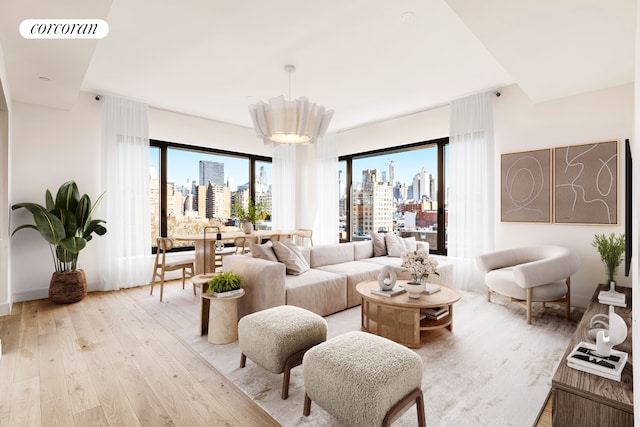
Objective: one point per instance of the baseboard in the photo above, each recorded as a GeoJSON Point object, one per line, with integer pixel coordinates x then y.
{"type": "Point", "coordinates": [5, 309]}
{"type": "Point", "coordinates": [31, 295]}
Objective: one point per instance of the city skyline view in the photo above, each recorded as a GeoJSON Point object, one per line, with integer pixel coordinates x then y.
{"type": "Point", "coordinates": [183, 165]}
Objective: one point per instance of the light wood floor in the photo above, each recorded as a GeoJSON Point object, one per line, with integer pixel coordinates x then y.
{"type": "Point", "coordinates": [113, 359]}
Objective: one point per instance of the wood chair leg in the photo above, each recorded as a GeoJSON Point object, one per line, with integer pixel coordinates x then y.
{"type": "Point", "coordinates": [488, 295]}
{"type": "Point", "coordinates": [413, 396]}
{"type": "Point", "coordinates": [529, 297]}
{"type": "Point", "coordinates": [292, 361]}
{"type": "Point", "coordinates": [567, 307]}
{"type": "Point", "coordinates": [243, 360]}
{"type": "Point", "coordinates": [307, 405]}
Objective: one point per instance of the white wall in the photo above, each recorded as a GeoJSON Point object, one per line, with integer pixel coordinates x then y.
{"type": "Point", "coordinates": [183, 129]}
{"type": "Point", "coordinates": [418, 127]}
{"type": "Point", "coordinates": [5, 102]}
{"type": "Point", "coordinates": [521, 125]}
{"type": "Point", "coordinates": [48, 148]}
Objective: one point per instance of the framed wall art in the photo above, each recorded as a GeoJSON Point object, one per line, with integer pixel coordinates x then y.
{"type": "Point", "coordinates": [586, 183]}
{"type": "Point", "coordinates": [526, 186]}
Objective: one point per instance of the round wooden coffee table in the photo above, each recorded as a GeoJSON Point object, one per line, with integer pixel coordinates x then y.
{"type": "Point", "coordinates": [398, 317]}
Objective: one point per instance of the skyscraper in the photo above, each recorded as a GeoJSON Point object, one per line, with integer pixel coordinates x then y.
{"type": "Point", "coordinates": [211, 172]}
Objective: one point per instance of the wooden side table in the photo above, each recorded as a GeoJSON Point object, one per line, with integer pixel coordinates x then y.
{"type": "Point", "coordinates": [222, 313]}
{"type": "Point", "coordinates": [221, 318]}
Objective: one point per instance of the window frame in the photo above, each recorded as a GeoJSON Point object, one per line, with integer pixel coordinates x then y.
{"type": "Point", "coordinates": [440, 143]}
{"type": "Point", "coordinates": [164, 146]}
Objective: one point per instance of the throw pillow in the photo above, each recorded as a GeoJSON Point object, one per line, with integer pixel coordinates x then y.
{"type": "Point", "coordinates": [263, 251]}
{"type": "Point", "coordinates": [395, 246]}
{"type": "Point", "coordinates": [291, 256]}
{"type": "Point", "coordinates": [379, 247]}
{"type": "Point", "coordinates": [410, 243]}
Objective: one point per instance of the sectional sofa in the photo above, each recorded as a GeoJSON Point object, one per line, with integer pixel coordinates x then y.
{"type": "Point", "coordinates": [329, 283]}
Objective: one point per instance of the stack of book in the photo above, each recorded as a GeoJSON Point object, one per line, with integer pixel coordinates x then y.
{"type": "Point", "coordinates": [435, 313]}
{"type": "Point", "coordinates": [391, 292]}
{"type": "Point", "coordinates": [585, 358]}
{"type": "Point", "coordinates": [612, 298]}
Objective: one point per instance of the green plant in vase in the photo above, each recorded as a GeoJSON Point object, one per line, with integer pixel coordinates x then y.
{"type": "Point", "coordinates": [611, 250]}
{"type": "Point", "coordinates": [224, 281]}
{"type": "Point", "coordinates": [67, 224]}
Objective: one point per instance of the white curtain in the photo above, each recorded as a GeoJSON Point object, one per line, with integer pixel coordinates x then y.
{"type": "Point", "coordinates": [471, 187]}
{"type": "Point", "coordinates": [305, 188]}
{"type": "Point", "coordinates": [127, 259]}
{"type": "Point", "coordinates": [284, 187]}
{"type": "Point", "coordinates": [325, 230]}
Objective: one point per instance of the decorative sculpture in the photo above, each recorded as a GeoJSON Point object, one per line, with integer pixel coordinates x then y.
{"type": "Point", "coordinates": [614, 335]}
{"type": "Point", "coordinates": [387, 278]}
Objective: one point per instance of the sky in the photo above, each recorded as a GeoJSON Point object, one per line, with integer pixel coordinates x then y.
{"type": "Point", "coordinates": [184, 164]}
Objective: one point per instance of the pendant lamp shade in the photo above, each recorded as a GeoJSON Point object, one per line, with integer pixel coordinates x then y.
{"type": "Point", "coordinates": [284, 121]}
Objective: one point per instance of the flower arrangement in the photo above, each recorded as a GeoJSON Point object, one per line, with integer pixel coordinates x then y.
{"type": "Point", "coordinates": [418, 264]}
{"type": "Point", "coordinates": [611, 250]}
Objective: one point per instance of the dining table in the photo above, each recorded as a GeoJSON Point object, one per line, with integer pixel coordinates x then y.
{"type": "Point", "coordinates": [205, 244]}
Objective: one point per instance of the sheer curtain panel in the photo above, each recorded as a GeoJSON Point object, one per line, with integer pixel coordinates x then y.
{"type": "Point", "coordinates": [471, 186]}
{"type": "Point", "coordinates": [127, 259]}
{"type": "Point", "coordinates": [284, 187]}
{"type": "Point", "coordinates": [325, 229]}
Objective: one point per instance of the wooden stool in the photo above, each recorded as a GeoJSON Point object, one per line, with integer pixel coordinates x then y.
{"type": "Point", "coordinates": [277, 338]}
{"type": "Point", "coordinates": [363, 379]}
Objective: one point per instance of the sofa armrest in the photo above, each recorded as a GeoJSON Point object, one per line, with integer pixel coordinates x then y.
{"type": "Point", "coordinates": [263, 282]}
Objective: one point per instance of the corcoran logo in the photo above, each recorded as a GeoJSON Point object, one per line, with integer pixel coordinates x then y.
{"type": "Point", "coordinates": [64, 29]}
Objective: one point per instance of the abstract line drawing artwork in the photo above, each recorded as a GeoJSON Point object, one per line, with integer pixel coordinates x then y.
{"type": "Point", "coordinates": [526, 186]}
{"type": "Point", "coordinates": [586, 183]}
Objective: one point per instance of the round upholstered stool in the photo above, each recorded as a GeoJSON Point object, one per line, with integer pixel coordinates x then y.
{"type": "Point", "coordinates": [363, 379]}
{"type": "Point", "coordinates": [277, 338]}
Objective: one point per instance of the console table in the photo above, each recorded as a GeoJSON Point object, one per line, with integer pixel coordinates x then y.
{"type": "Point", "coordinates": [583, 399]}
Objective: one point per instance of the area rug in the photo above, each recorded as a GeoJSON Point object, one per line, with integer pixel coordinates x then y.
{"type": "Point", "coordinates": [492, 370]}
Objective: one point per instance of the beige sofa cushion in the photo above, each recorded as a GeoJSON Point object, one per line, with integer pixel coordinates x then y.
{"type": "Point", "coordinates": [331, 254]}
{"type": "Point", "coordinates": [362, 250]}
{"type": "Point", "coordinates": [355, 272]}
{"type": "Point", "coordinates": [318, 291]}
{"type": "Point", "coordinates": [396, 244]}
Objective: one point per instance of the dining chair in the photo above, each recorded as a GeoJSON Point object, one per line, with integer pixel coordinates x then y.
{"type": "Point", "coordinates": [305, 233]}
{"type": "Point", "coordinates": [242, 244]}
{"type": "Point", "coordinates": [163, 265]}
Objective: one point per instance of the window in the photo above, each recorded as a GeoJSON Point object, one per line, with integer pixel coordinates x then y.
{"type": "Point", "coordinates": [401, 190]}
{"type": "Point", "coordinates": [194, 187]}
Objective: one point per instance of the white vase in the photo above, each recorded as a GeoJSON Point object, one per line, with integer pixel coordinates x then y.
{"type": "Point", "coordinates": [247, 227]}
{"type": "Point", "coordinates": [414, 289]}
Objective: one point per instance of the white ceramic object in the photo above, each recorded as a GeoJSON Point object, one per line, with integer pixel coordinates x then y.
{"type": "Point", "coordinates": [387, 278]}
{"type": "Point", "coordinates": [247, 227]}
{"type": "Point", "coordinates": [616, 334]}
{"type": "Point", "coordinates": [414, 289]}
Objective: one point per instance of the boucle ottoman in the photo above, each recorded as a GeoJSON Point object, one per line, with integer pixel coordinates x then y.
{"type": "Point", "coordinates": [277, 338]}
{"type": "Point", "coordinates": [363, 379]}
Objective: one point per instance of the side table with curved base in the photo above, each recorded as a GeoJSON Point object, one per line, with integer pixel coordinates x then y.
{"type": "Point", "coordinates": [398, 318]}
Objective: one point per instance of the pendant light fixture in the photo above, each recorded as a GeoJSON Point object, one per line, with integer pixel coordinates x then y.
{"type": "Point", "coordinates": [289, 122]}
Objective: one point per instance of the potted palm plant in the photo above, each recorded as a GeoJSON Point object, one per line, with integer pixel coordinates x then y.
{"type": "Point", "coordinates": [611, 250]}
{"type": "Point", "coordinates": [67, 224]}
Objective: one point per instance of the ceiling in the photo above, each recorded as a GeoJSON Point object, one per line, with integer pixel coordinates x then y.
{"type": "Point", "coordinates": [368, 60]}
